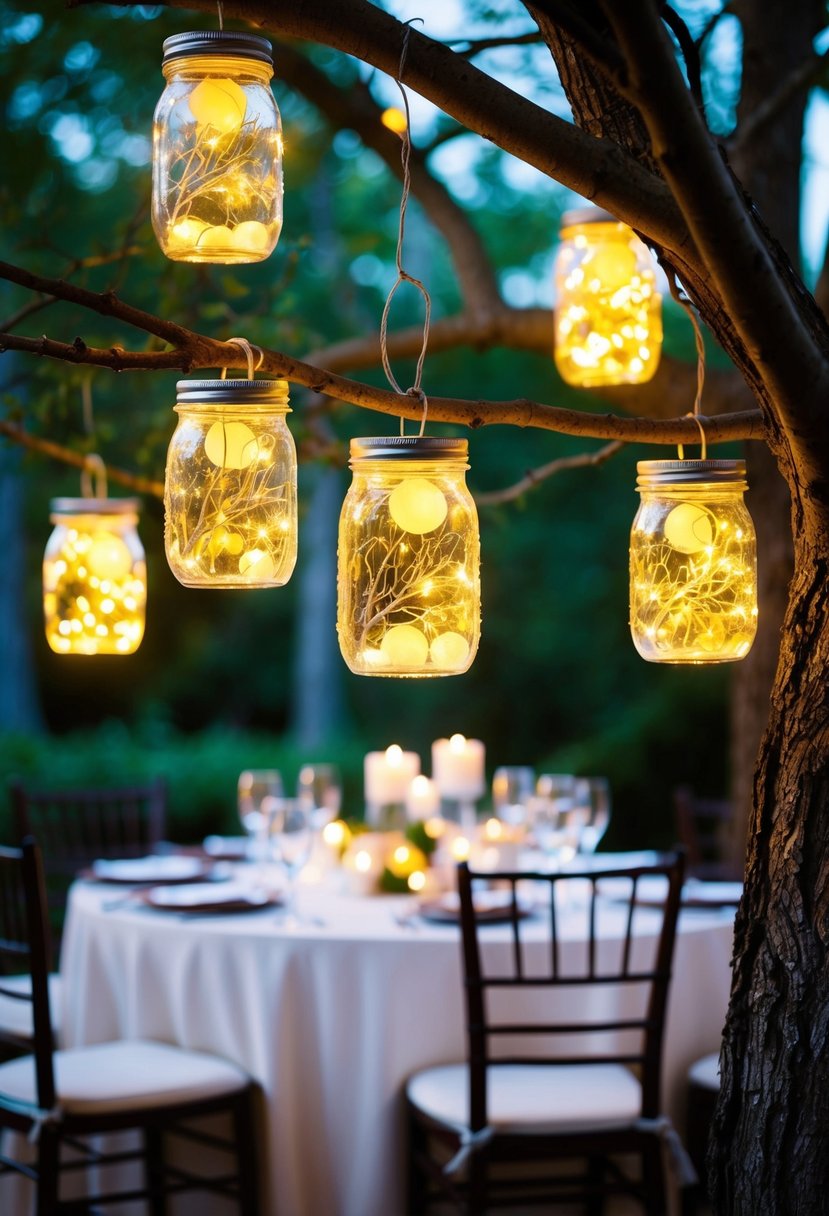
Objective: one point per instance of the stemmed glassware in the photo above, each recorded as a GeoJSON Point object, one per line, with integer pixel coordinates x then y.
{"type": "Point", "coordinates": [319, 791]}
{"type": "Point", "coordinates": [556, 819]}
{"type": "Point", "coordinates": [291, 834]}
{"type": "Point", "coordinates": [257, 790]}
{"type": "Point", "coordinates": [593, 795]}
{"type": "Point", "coordinates": [512, 789]}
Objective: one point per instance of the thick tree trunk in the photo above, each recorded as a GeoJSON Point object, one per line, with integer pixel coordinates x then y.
{"type": "Point", "coordinates": [770, 1149]}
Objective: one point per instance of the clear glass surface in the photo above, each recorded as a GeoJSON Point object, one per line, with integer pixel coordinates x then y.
{"type": "Point", "coordinates": [555, 818]}
{"type": "Point", "coordinates": [258, 791]}
{"type": "Point", "coordinates": [592, 794]}
{"type": "Point", "coordinates": [512, 789]}
{"type": "Point", "coordinates": [319, 791]}
{"type": "Point", "coordinates": [290, 831]}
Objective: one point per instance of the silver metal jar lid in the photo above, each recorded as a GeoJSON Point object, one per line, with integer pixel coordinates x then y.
{"type": "Point", "coordinates": [587, 215]}
{"type": "Point", "coordinates": [232, 392]}
{"type": "Point", "coordinates": [95, 506]}
{"type": "Point", "coordinates": [218, 42]}
{"type": "Point", "coordinates": [409, 447]}
{"type": "Point", "coordinates": [654, 473]}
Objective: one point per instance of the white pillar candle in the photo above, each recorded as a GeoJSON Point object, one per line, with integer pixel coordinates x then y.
{"type": "Point", "coordinates": [458, 768]}
{"type": "Point", "coordinates": [422, 799]}
{"type": "Point", "coordinates": [387, 775]}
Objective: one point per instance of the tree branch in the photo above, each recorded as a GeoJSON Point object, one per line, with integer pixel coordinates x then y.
{"type": "Point", "coordinates": [534, 477]}
{"type": "Point", "coordinates": [142, 485]}
{"type": "Point", "coordinates": [192, 350]}
{"type": "Point", "coordinates": [795, 372]}
{"type": "Point", "coordinates": [595, 168]}
{"type": "Point", "coordinates": [474, 46]}
{"type": "Point", "coordinates": [803, 76]}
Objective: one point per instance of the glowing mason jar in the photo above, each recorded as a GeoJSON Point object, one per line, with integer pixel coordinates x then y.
{"type": "Point", "coordinates": [230, 487]}
{"type": "Point", "coordinates": [693, 563]}
{"type": "Point", "coordinates": [408, 577]}
{"type": "Point", "coordinates": [217, 150]}
{"type": "Point", "coordinates": [94, 577]}
{"type": "Point", "coordinates": [608, 316]}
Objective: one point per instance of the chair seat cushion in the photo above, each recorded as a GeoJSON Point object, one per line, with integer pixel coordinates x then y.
{"type": "Point", "coordinates": [126, 1076]}
{"type": "Point", "coordinates": [16, 1016]}
{"type": "Point", "coordinates": [706, 1072]}
{"type": "Point", "coordinates": [533, 1098]}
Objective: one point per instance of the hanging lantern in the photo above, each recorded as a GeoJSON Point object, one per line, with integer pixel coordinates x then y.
{"type": "Point", "coordinates": [230, 486]}
{"type": "Point", "coordinates": [408, 560]}
{"type": "Point", "coordinates": [693, 563]}
{"type": "Point", "coordinates": [94, 577]}
{"type": "Point", "coordinates": [217, 150]}
{"type": "Point", "coordinates": [608, 317]}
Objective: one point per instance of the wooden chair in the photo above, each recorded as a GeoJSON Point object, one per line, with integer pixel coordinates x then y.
{"type": "Point", "coordinates": [702, 828]}
{"type": "Point", "coordinates": [476, 1128]}
{"type": "Point", "coordinates": [76, 827]}
{"type": "Point", "coordinates": [58, 1098]}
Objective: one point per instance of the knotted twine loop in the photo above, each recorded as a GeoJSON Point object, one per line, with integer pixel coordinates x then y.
{"type": "Point", "coordinates": [403, 276]}
{"type": "Point", "coordinates": [93, 467]}
{"type": "Point", "coordinates": [698, 419]}
{"type": "Point", "coordinates": [220, 8]}
{"type": "Point", "coordinates": [248, 348]}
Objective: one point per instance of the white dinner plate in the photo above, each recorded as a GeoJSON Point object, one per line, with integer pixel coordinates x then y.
{"type": "Point", "coordinates": [490, 906]}
{"type": "Point", "coordinates": [208, 897]}
{"type": "Point", "coordinates": [165, 868]}
{"type": "Point", "coordinates": [226, 848]}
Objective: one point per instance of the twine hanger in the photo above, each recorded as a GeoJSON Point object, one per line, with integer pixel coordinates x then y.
{"type": "Point", "coordinates": [403, 276]}
{"type": "Point", "coordinates": [698, 417]}
{"type": "Point", "coordinates": [248, 348]}
{"type": "Point", "coordinates": [93, 467]}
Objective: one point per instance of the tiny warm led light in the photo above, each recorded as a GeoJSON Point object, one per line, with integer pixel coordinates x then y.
{"type": "Point", "coordinates": [363, 861]}
{"type": "Point", "coordinates": [394, 755]}
{"type": "Point", "coordinates": [416, 880]}
{"type": "Point", "coordinates": [402, 854]}
{"type": "Point", "coordinates": [460, 848]}
{"type": "Point", "coordinates": [334, 833]}
{"type": "Point", "coordinates": [394, 119]}
{"type": "Point", "coordinates": [493, 829]}
{"type": "Point", "coordinates": [434, 827]}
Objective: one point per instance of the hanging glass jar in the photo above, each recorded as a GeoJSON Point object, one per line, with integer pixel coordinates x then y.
{"type": "Point", "coordinates": [693, 563]}
{"type": "Point", "coordinates": [94, 577]}
{"type": "Point", "coordinates": [408, 559]}
{"type": "Point", "coordinates": [608, 315]}
{"type": "Point", "coordinates": [230, 486]}
{"type": "Point", "coordinates": [217, 150]}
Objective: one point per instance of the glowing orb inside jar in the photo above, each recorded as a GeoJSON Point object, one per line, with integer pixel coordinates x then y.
{"type": "Point", "coordinates": [108, 556]}
{"type": "Point", "coordinates": [404, 646]}
{"type": "Point", "coordinates": [449, 650]}
{"type": "Point", "coordinates": [250, 234]}
{"type": "Point", "coordinates": [417, 505]}
{"type": "Point", "coordinates": [220, 104]}
{"type": "Point", "coordinates": [613, 264]}
{"type": "Point", "coordinates": [257, 565]}
{"type": "Point", "coordinates": [231, 445]}
{"type": "Point", "coordinates": [688, 528]}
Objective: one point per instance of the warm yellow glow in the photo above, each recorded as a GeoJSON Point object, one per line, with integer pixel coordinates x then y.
{"type": "Point", "coordinates": [363, 861]}
{"type": "Point", "coordinates": [230, 488]}
{"type": "Point", "coordinates": [493, 829]}
{"type": "Point", "coordinates": [457, 744]}
{"type": "Point", "coordinates": [693, 577]}
{"type": "Point", "coordinates": [416, 881]}
{"type": "Point", "coordinates": [230, 445]}
{"type": "Point", "coordinates": [336, 834]}
{"type": "Point", "coordinates": [404, 647]}
{"type": "Point", "coordinates": [217, 181]}
{"type": "Point", "coordinates": [460, 848]}
{"type": "Point", "coordinates": [94, 585]}
{"type": "Point", "coordinates": [394, 119]}
{"type": "Point", "coordinates": [394, 755]}
{"type": "Point", "coordinates": [434, 827]}
{"type": "Point", "coordinates": [405, 859]}
{"type": "Point", "coordinates": [401, 854]}
{"type": "Point", "coordinates": [608, 317]}
{"type": "Point", "coordinates": [219, 104]}
{"type": "Point", "coordinates": [408, 570]}
{"type": "Point", "coordinates": [417, 505]}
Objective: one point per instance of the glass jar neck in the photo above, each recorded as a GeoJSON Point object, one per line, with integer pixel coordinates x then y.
{"type": "Point", "coordinates": [89, 522]}
{"type": "Point", "coordinates": [602, 230]}
{"type": "Point", "coordinates": [708, 490]}
{"type": "Point", "coordinates": [239, 67]}
{"type": "Point", "coordinates": [224, 409]}
{"type": "Point", "coordinates": [408, 468]}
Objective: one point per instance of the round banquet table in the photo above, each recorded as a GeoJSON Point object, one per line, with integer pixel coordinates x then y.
{"type": "Point", "coordinates": [330, 1018]}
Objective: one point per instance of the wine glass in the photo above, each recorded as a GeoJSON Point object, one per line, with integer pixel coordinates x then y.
{"type": "Point", "coordinates": [291, 835]}
{"type": "Point", "coordinates": [257, 788]}
{"type": "Point", "coordinates": [593, 794]}
{"type": "Point", "coordinates": [512, 787]}
{"type": "Point", "coordinates": [555, 817]}
{"type": "Point", "coordinates": [319, 791]}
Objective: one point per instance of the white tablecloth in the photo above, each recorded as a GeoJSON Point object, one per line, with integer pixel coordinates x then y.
{"type": "Point", "coordinates": [330, 1019]}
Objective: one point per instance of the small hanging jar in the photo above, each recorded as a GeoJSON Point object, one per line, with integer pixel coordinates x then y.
{"type": "Point", "coordinates": [94, 577]}
{"type": "Point", "coordinates": [693, 563]}
{"type": "Point", "coordinates": [217, 150]}
{"type": "Point", "coordinates": [408, 577]}
{"type": "Point", "coordinates": [230, 486]}
{"type": "Point", "coordinates": [608, 315]}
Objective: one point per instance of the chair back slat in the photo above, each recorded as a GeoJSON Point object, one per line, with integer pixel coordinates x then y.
{"type": "Point", "coordinates": [76, 827]}
{"type": "Point", "coordinates": [608, 961]}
